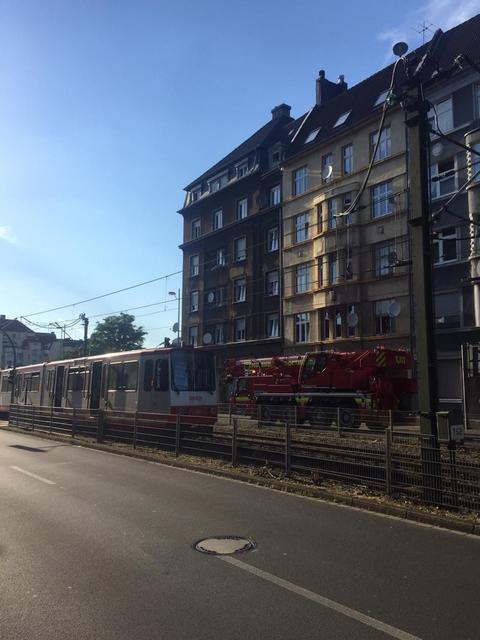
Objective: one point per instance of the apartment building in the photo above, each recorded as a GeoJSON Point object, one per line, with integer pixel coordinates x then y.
{"type": "Point", "coordinates": [30, 346]}
{"type": "Point", "coordinates": [231, 298]}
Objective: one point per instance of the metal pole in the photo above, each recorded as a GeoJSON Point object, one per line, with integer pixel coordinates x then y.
{"type": "Point", "coordinates": [85, 334]}
{"type": "Point", "coordinates": [14, 352]}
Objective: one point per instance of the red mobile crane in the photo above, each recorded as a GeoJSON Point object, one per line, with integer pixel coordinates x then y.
{"type": "Point", "coordinates": [371, 379]}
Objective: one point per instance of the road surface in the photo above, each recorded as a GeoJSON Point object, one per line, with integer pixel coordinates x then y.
{"type": "Point", "coordinates": [95, 546]}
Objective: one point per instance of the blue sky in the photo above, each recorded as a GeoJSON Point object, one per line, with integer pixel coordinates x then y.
{"type": "Point", "coordinates": [109, 108]}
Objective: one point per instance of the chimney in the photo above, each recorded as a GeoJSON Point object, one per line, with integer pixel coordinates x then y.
{"type": "Point", "coordinates": [282, 110]}
{"type": "Point", "coordinates": [326, 90]}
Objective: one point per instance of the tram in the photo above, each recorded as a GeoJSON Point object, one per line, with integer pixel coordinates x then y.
{"type": "Point", "coordinates": [170, 380]}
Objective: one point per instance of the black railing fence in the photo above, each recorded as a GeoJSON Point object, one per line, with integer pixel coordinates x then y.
{"type": "Point", "coordinates": [382, 451]}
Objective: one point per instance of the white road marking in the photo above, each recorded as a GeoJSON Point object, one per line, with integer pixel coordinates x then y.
{"type": "Point", "coordinates": [393, 632]}
{"type": "Point", "coordinates": [33, 475]}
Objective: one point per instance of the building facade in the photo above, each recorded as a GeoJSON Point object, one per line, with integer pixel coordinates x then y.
{"type": "Point", "coordinates": [30, 346]}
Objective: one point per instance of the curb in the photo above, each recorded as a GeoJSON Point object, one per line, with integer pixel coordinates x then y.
{"type": "Point", "coordinates": [404, 513]}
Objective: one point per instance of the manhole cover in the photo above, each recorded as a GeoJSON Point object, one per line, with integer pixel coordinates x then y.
{"type": "Point", "coordinates": [224, 545]}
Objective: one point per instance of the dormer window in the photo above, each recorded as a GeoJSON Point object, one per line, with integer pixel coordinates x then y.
{"type": "Point", "coordinates": [242, 169]}
{"type": "Point", "coordinates": [195, 194]}
{"type": "Point", "coordinates": [381, 98]}
{"type": "Point", "coordinates": [218, 182]}
{"type": "Point", "coordinates": [342, 119]}
{"type": "Point", "coordinates": [275, 155]}
{"type": "Point", "coordinates": [312, 135]}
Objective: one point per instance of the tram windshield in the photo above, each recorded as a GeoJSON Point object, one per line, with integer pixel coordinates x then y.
{"type": "Point", "coordinates": [192, 371]}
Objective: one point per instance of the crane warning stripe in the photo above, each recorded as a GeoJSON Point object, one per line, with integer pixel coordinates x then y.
{"type": "Point", "coordinates": [381, 359]}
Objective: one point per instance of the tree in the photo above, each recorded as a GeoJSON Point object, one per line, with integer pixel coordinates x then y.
{"type": "Point", "coordinates": [116, 333]}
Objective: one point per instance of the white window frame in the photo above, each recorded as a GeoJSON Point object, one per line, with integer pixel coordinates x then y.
{"type": "Point", "coordinates": [272, 240]}
{"type": "Point", "coordinates": [302, 278]}
{"type": "Point", "coordinates": [194, 265]}
{"type": "Point", "coordinates": [382, 264]}
{"type": "Point", "coordinates": [338, 330]}
{"type": "Point", "coordinates": [240, 325]}
{"type": "Point", "coordinates": [239, 253]}
{"type": "Point", "coordinates": [342, 119]}
{"type": "Point", "coordinates": [219, 334]}
{"type": "Point", "coordinates": [272, 283]}
{"type": "Point", "coordinates": [444, 109]}
{"type": "Point", "coordinates": [193, 336]}
{"type": "Point", "coordinates": [327, 161]}
{"type": "Point", "coordinates": [239, 289]}
{"type": "Point", "coordinates": [301, 222]}
{"type": "Point", "coordinates": [302, 327]}
{"type": "Point", "coordinates": [196, 228]}
{"type": "Point", "coordinates": [242, 169]}
{"type": "Point", "coordinates": [300, 180]}
{"type": "Point", "coordinates": [312, 135]}
{"type": "Point", "coordinates": [442, 178]}
{"type": "Point", "coordinates": [347, 159]}
{"type": "Point", "coordinates": [273, 325]}
{"type": "Point", "coordinates": [332, 206]}
{"type": "Point", "coordinates": [242, 209]}
{"type": "Point", "coordinates": [195, 194]}
{"type": "Point", "coordinates": [217, 219]}
{"type": "Point", "coordinates": [193, 301]}
{"type": "Point", "coordinates": [275, 196]}
{"type": "Point", "coordinates": [385, 147]}
{"type": "Point", "coordinates": [221, 257]}
{"type": "Point", "coordinates": [382, 199]}
{"type": "Point", "coordinates": [383, 318]}
{"type": "Point", "coordinates": [439, 240]}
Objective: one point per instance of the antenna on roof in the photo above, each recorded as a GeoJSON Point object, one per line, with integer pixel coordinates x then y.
{"type": "Point", "coordinates": [424, 27]}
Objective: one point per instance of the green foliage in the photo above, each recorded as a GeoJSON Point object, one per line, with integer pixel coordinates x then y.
{"type": "Point", "coordinates": [116, 333]}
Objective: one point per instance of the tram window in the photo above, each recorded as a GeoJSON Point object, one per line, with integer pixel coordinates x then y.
{"type": "Point", "coordinates": [161, 375]}
{"type": "Point", "coordinates": [76, 379]}
{"type": "Point", "coordinates": [148, 375]}
{"type": "Point", "coordinates": [34, 382]}
{"type": "Point", "coordinates": [204, 372]}
{"type": "Point", "coordinates": [5, 382]}
{"type": "Point", "coordinates": [115, 376]}
{"type": "Point", "coordinates": [130, 372]}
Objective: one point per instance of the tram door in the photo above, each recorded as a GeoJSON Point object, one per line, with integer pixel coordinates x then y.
{"type": "Point", "coordinates": [96, 385]}
{"type": "Point", "coordinates": [59, 378]}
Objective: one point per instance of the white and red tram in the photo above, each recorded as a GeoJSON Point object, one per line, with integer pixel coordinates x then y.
{"type": "Point", "coordinates": [171, 380]}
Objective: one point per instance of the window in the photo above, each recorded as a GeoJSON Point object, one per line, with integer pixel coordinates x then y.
{"type": "Point", "coordinates": [272, 283]}
{"type": "Point", "coordinates": [240, 249]}
{"type": "Point", "coordinates": [193, 301]}
{"type": "Point", "coordinates": [217, 219]}
{"type": "Point", "coordinates": [193, 336]}
{"type": "Point", "coordinates": [443, 178]}
{"type": "Point", "coordinates": [332, 213]}
{"type": "Point", "coordinates": [382, 199]}
{"type": "Point", "coordinates": [384, 259]}
{"type": "Point", "coordinates": [302, 327]}
{"type": "Point", "coordinates": [333, 268]}
{"type": "Point", "coordinates": [239, 290]}
{"type": "Point", "coordinates": [272, 239]}
{"type": "Point", "coordinates": [148, 375]}
{"type": "Point", "coordinates": [381, 98]}
{"type": "Point", "coordinates": [273, 326]}
{"type": "Point", "coordinates": [347, 201]}
{"type": "Point", "coordinates": [385, 145]}
{"type": "Point", "coordinates": [239, 329]}
{"type": "Point", "coordinates": [352, 321]}
{"type": "Point", "coordinates": [321, 270]}
{"type": "Point", "coordinates": [440, 116]}
{"type": "Point", "coordinates": [301, 227]}
{"type": "Point", "coordinates": [327, 167]}
{"type": "Point", "coordinates": [275, 195]}
{"type": "Point", "coordinates": [326, 326]}
{"type": "Point", "coordinates": [347, 159]}
{"type": "Point", "coordinates": [445, 245]}
{"type": "Point", "coordinates": [122, 376]}
{"type": "Point", "coordinates": [130, 374]}
{"type": "Point", "coordinates": [220, 296]}
{"type": "Point", "coordinates": [161, 375]}
{"type": "Point", "coordinates": [300, 181]}
{"type": "Point", "coordinates": [76, 379]}
{"type": "Point", "coordinates": [196, 229]}
{"type": "Point", "coordinates": [275, 156]}
{"type": "Point", "coordinates": [302, 278]}
{"type": "Point", "coordinates": [348, 263]}
{"type": "Point", "coordinates": [474, 162]}
{"type": "Point", "coordinates": [218, 182]}
{"type": "Point", "coordinates": [242, 209]}
{"type": "Point", "coordinates": [384, 322]}
{"type": "Point", "coordinates": [194, 265]}
{"type": "Point", "coordinates": [312, 135]}
{"type": "Point", "coordinates": [195, 194]}
{"type": "Point", "coordinates": [338, 325]}
{"type": "Point", "coordinates": [342, 119]}
{"type": "Point", "coordinates": [219, 334]}
{"type": "Point", "coordinates": [220, 258]}
{"type": "Point", "coordinates": [242, 169]}
{"type": "Point", "coordinates": [447, 310]}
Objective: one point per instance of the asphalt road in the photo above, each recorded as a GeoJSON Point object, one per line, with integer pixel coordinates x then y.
{"type": "Point", "coordinates": [98, 546]}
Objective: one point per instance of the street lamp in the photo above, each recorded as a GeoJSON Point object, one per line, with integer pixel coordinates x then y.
{"type": "Point", "coordinates": [177, 298]}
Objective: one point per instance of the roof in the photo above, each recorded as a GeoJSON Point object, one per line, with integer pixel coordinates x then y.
{"type": "Point", "coordinates": [15, 326]}
{"type": "Point", "coordinates": [360, 99]}
{"type": "Point", "coordinates": [259, 138]}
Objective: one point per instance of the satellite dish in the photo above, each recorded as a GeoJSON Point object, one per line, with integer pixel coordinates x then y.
{"type": "Point", "coordinates": [327, 172]}
{"type": "Point", "coordinates": [437, 149]}
{"type": "Point", "coordinates": [175, 327]}
{"type": "Point", "coordinates": [211, 296]}
{"type": "Point", "coordinates": [400, 49]}
{"type": "Point", "coordinates": [207, 338]}
{"type": "Point", "coordinates": [352, 319]}
{"type": "Point", "coordinates": [394, 309]}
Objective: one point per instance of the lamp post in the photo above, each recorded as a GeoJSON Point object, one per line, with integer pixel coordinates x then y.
{"type": "Point", "coordinates": [177, 298]}
{"type": "Point", "coordinates": [14, 362]}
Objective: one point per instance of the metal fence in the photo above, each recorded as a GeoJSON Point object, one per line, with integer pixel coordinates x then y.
{"type": "Point", "coordinates": [383, 458]}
